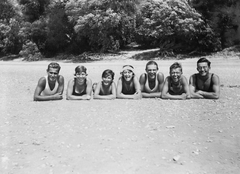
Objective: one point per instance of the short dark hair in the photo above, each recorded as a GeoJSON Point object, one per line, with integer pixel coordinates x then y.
{"type": "Point", "coordinates": [80, 69]}
{"type": "Point", "coordinates": [175, 66]}
{"type": "Point", "coordinates": [108, 72]}
{"type": "Point", "coordinates": [151, 62]}
{"type": "Point", "coordinates": [203, 59]}
{"type": "Point", "coordinates": [54, 65]}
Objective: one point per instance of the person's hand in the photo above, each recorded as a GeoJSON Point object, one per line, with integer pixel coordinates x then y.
{"type": "Point", "coordinates": [137, 95]}
{"type": "Point", "coordinates": [188, 96]}
{"type": "Point", "coordinates": [184, 96]}
{"type": "Point", "coordinates": [200, 92]}
{"type": "Point", "coordinates": [88, 97]}
{"type": "Point", "coordinates": [58, 96]}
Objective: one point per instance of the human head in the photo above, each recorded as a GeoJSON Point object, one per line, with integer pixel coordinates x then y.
{"type": "Point", "coordinates": [53, 71]}
{"type": "Point", "coordinates": [175, 66]}
{"type": "Point", "coordinates": [176, 71]}
{"type": "Point", "coordinates": [203, 66]}
{"type": "Point", "coordinates": [54, 65]}
{"type": "Point", "coordinates": [203, 59]}
{"type": "Point", "coordinates": [127, 72]}
{"type": "Point", "coordinates": [80, 69]}
{"type": "Point", "coordinates": [151, 62]}
{"type": "Point", "coordinates": [107, 73]}
{"type": "Point", "coordinates": [127, 67]}
{"type": "Point", "coordinates": [151, 69]}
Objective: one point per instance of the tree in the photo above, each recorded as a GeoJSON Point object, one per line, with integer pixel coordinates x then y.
{"type": "Point", "coordinates": [33, 9]}
{"type": "Point", "coordinates": [172, 25]}
{"type": "Point", "coordinates": [219, 15]}
{"type": "Point", "coordinates": [104, 25]}
{"type": "Point", "coordinates": [10, 41]}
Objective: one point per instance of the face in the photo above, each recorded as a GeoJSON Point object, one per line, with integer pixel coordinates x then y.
{"type": "Point", "coordinates": [175, 74]}
{"type": "Point", "coordinates": [151, 71]}
{"type": "Point", "coordinates": [81, 76]}
{"type": "Point", "coordinates": [52, 74]}
{"type": "Point", "coordinates": [203, 68]}
{"type": "Point", "coordinates": [107, 80]}
{"type": "Point", "coordinates": [128, 75]}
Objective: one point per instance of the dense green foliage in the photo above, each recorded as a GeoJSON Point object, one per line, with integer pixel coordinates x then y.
{"type": "Point", "coordinates": [37, 28]}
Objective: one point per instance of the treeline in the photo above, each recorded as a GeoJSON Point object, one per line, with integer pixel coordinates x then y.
{"type": "Point", "coordinates": [46, 28]}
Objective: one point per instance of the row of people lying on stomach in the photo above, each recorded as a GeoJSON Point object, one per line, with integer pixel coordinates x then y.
{"type": "Point", "coordinates": [150, 84]}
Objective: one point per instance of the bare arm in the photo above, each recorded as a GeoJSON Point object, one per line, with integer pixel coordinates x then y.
{"type": "Point", "coordinates": [40, 87]}
{"type": "Point", "coordinates": [111, 96]}
{"type": "Point", "coordinates": [192, 88]}
{"type": "Point", "coordinates": [186, 87]}
{"type": "Point", "coordinates": [138, 93]}
{"type": "Point", "coordinates": [216, 89]}
{"type": "Point", "coordinates": [61, 84]}
{"type": "Point", "coordinates": [167, 95]}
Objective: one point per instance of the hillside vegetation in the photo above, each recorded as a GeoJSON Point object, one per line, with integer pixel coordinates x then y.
{"type": "Point", "coordinates": [35, 29]}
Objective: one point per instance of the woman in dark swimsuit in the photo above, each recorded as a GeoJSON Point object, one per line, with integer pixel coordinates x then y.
{"type": "Point", "coordinates": [79, 88]}
{"type": "Point", "coordinates": [128, 86]}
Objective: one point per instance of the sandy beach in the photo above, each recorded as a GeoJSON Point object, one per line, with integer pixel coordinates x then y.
{"type": "Point", "coordinates": [147, 136]}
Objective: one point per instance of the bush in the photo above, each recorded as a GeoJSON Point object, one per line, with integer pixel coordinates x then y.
{"type": "Point", "coordinates": [10, 41]}
{"type": "Point", "coordinates": [103, 25]}
{"type": "Point", "coordinates": [172, 25]}
{"type": "Point", "coordinates": [30, 52]}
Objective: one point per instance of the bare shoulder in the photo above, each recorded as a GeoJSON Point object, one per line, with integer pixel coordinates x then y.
{"type": "Point", "coordinates": [42, 81]}
{"type": "Point", "coordinates": [184, 79]}
{"type": "Point", "coordinates": [60, 79]}
{"type": "Point", "coordinates": [192, 76]}
{"type": "Point", "coordinates": [215, 78]}
{"type": "Point", "coordinates": [160, 75]}
{"type": "Point", "coordinates": [88, 81]}
{"type": "Point", "coordinates": [142, 79]}
{"type": "Point", "coordinates": [143, 75]}
{"type": "Point", "coordinates": [168, 78]}
{"type": "Point", "coordinates": [135, 77]}
{"type": "Point", "coordinates": [71, 82]}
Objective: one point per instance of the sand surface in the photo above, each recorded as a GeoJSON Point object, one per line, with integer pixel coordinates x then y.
{"type": "Point", "coordinates": [147, 136]}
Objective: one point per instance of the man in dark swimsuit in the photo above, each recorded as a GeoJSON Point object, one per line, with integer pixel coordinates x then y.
{"type": "Point", "coordinates": [204, 84]}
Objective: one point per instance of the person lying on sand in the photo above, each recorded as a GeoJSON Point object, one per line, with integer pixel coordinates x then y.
{"type": "Point", "coordinates": [105, 89]}
{"type": "Point", "coordinates": [176, 85]}
{"type": "Point", "coordinates": [152, 81]}
{"type": "Point", "coordinates": [128, 86]}
{"type": "Point", "coordinates": [79, 88]}
{"type": "Point", "coordinates": [50, 87]}
{"type": "Point", "coordinates": [204, 84]}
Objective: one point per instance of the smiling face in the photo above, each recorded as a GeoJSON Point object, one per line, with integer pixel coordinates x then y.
{"type": "Point", "coordinates": [107, 80]}
{"type": "Point", "coordinates": [151, 71]}
{"type": "Point", "coordinates": [80, 76]}
{"type": "Point", "coordinates": [52, 74]}
{"type": "Point", "coordinates": [175, 74]}
{"type": "Point", "coordinates": [127, 75]}
{"type": "Point", "coordinates": [203, 68]}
